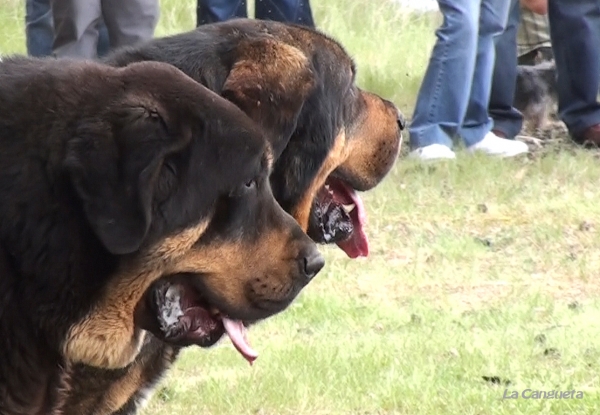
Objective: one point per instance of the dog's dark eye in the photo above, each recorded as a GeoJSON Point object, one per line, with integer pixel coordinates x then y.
{"type": "Point", "coordinates": [242, 190]}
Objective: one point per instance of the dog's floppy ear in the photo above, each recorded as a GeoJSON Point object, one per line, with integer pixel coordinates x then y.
{"type": "Point", "coordinates": [270, 81]}
{"type": "Point", "coordinates": [113, 166]}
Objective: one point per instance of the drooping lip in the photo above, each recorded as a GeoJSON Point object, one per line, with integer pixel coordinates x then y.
{"type": "Point", "coordinates": [185, 317]}
{"type": "Point", "coordinates": [339, 216]}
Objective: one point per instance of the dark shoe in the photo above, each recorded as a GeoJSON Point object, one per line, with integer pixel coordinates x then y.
{"type": "Point", "coordinates": [590, 137]}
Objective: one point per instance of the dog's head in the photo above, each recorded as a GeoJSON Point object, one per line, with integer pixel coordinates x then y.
{"type": "Point", "coordinates": [535, 91]}
{"type": "Point", "coordinates": [229, 278]}
{"type": "Point", "coordinates": [157, 157]}
{"type": "Point", "coordinates": [330, 139]}
{"type": "Point", "coordinates": [175, 180]}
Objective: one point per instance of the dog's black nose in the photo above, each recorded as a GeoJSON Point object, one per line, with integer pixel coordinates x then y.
{"type": "Point", "coordinates": [400, 120]}
{"type": "Point", "coordinates": [313, 262]}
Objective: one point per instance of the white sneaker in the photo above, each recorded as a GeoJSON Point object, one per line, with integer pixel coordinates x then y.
{"type": "Point", "coordinates": [433, 152]}
{"type": "Point", "coordinates": [498, 146]}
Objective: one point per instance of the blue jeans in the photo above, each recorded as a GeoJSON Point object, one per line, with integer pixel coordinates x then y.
{"type": "Point", "coordinates": [292, 11]}
{"type": "Point", "coordinates": [39, 30]}
{"type": "Point", "coordinates": [506, 118]}
{"type": "Point", "coordinates": [454, 95]}
{"type": "Point", "coordinates": [575, 35]}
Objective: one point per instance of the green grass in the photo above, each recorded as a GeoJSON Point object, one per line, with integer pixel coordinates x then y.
{"type": "Point", "coordinates": [479, 267]}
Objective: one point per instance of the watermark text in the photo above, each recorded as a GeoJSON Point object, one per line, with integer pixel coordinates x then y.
{"type": "Point", "coordinates": [542, 394]}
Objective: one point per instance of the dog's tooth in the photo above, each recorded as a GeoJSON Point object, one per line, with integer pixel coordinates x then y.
{"type": "Point", "coordinates": [349, 208]}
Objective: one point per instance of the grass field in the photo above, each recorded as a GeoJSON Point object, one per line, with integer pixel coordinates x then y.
{"type": "Point", "coordinates": [480, 269]}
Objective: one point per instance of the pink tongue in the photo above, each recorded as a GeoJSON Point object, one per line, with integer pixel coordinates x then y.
{"type": "Point", "coordinates": [237, 333]}
{"type": "Point", "coordinates": [358, 243]}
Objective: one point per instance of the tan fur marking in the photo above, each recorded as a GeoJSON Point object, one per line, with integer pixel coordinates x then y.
{"type": "Point", "coordinates": [337, 155]}
{"type": "Point", "coordinates": [107, 337]}
{"type": "Point", "coordinates": [373, 144]}
{"type": "Point", "coordinates": [230, 268]}
{"type": "Point", "coordinates": [273, 58]}
{"type": "Point", "coordinates": [269, 76]}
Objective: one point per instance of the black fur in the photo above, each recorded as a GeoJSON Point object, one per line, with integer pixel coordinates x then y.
{"type": "Point", "coordinates": [97, 165]}
{"type": "Point", "coordinates": [302, 122]}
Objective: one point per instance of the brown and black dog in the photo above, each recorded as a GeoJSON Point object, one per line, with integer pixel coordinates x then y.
{"type": "Point", "coordinates": [113, 180]}
{"type": "Point", "coordinates": [330, 140]}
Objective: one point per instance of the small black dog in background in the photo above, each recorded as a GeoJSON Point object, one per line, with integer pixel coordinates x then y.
{"type": "Point", "coordinates": [535, 92]}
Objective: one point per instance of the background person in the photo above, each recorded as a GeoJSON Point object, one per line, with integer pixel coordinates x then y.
{"type": "Point", "coordinates": [575, 36]}
{"type": "Point", "coordinates": [291, 11]}
{"type": "Point", "coordinates": [454, 95]}
{"type": "Point", "coordinates": [76, 24]}
{"type": "Point", "coordinates": [508, 121]}
{"type": "Point", "coordinates": [39, 30]}
{"type": "Point", "coordinates": [533, 37]}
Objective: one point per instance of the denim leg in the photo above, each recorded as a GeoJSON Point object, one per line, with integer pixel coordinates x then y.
{"type": "Point", "coordinates": [506, 117]}
{"type": "Point", "coordinates": [492, 21]}
{"type": "Point", "coordinates": [211, 11]}
{"type": "Point", "coordinates": [444, 93]}
{"type": "Point", "coordinates": [103, 42]}
{"type": "Point", "coordinates": [575, 34]}
{"type": "Point", "coordinates": [293, 11]}
{"type": "Point", "coordinates": [38, 27]}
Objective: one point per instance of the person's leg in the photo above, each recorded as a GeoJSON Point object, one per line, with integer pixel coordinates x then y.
{"type": "Point", "coordinates": [493, 18]}
{"type": "Point", "coordinates": [75, 33]}
{"type": "Point", "coordinates": [39, 33]}
{"type": "Point", "coordinates": [575, 34]}
{"type": "Point", "coordinates": [477, 125]}
{"type": "Point", "coordinates": [508, 121]}
{"type": "Point", "coordinates": [293, 11]}
{"type": "Point", "coordinates": [212, 11]}
{"type": "Point", "coordinates": [444, 93]}
{"type": "Point", "coordinates": [103, 41]}
{"type": "Point", "coordinates": [129, 22]}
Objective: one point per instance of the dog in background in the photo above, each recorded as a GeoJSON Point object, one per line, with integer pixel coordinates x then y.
{"type": "Point", "coordinates": [536, 92]}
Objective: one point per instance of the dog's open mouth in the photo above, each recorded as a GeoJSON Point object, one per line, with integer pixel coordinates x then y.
{"type": "Point", "coordinates": [338, 216]}
{"type": "Point", "coordinates": [184, 317]}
